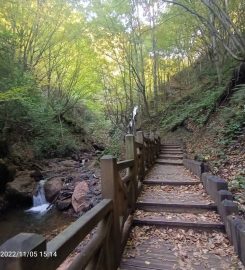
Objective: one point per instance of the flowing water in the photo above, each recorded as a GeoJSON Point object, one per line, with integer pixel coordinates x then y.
{"type": "Point", "coordinates": [39, 219]}
{"type": "Point", "coordinates": [132, 123]}
{"type": "Point", "coordinates": [19, 220]}
{"type": "Point", "coordinates": [40, 204]}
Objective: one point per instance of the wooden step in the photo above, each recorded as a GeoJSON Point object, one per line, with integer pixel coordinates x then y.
{"type": "Point", "coordinates": [171, 156]}
{"type": "Point", "coordinates": [169, 162]}
{"type": "Point", "coordinates": [156, 205]}
{"type": "Point", "coordinates": [146, 221]}
{"type": "Point", "coordinates": [170, 183]}
{"type": "Point", "coordinates": [139, 264]}
{"type": "Point", "coordinates": [171, 153]}
{"type": "Point", "coordinates": [164, 250]}
{"type": "Point", "coordinates": [171, 149]}
{"type": "Point", "coordinates": [171, 144]}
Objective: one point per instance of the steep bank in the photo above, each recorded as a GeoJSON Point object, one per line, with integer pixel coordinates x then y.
{"type": "Point", "coordinates": [210, 119]}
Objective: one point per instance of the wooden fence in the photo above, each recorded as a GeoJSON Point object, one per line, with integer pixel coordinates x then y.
{"type": "Point", "coordinates": [106, 225]}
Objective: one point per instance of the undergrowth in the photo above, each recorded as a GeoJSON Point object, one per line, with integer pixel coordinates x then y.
{"type": "Point", "coordinates": [192, 107]}
{"type": "Point", "coordinates": [201, 100]}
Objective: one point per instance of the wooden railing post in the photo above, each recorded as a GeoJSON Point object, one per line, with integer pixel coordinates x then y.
{"type": "Point", "coordinates": [146, 152]}
{"type": "Point", "coordinates": [131, 154]}
{"type": "Point", "coordinates": [152, 151]}
{"type": "Point", "coordinates": [23, 251]}
{"type": "Point", "coordinates": [158, 142]}
{"type": "Point", "coordinates": [140, 139]}
{"type": "Point", "coordinates": [156, 145]}
{"type": "Point", "coordinates": [110, 190]}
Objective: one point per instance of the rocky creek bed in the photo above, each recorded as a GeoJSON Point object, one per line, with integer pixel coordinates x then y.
{"type": "Point", "coordinates": [72, 187]}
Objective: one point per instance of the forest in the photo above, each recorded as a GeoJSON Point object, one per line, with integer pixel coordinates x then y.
{"type": "Point", "coordinates": [79, 67]}
{"type": "Point", "coordinates": [73, 72]}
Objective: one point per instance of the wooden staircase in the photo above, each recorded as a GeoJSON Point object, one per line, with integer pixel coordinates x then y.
{"type": "Point", "coordinates": [171, 155]}
{"type": "Point", "coordinates": [178, 205]}
{"type": "Point", "coordinates": [171, 200]}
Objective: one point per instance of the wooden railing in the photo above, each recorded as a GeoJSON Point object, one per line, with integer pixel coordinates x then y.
{"type": "Point", "coordinates": [109, 221]}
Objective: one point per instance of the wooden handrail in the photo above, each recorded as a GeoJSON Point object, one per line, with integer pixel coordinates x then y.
{"type": "Point", "coordinates": [139, 145]}
{"type": "Point", "coordinates": [112, 216]}
{"type": "Point", "coordinates": [82, 260]}
{"type": "Point", "coordinates": [121, 165]}
{"type": "Point", "coordinates": [65, 242]}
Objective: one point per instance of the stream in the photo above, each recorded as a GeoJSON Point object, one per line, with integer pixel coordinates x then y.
{"type": "Point", "coordinates": [20, 220]}
{"type": "Point", "coordinates": [43, 218]}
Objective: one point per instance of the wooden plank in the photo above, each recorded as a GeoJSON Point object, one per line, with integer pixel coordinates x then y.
{"type": "Point", "coordinates": [125, 266]}
{"type": "Point", "coordinates": [170, 157]}
{"type": "Point", "coordinates": [127, 178]}
{"type": "Point", "coordinates": [171, 148]}
{"type": "Point", "coordinates": [126, 230]}
{"type": "Point", "coordinates": [171, 144]}
{"type": "Point", "coordinates": [22, 243]}
{"type": "Point", "coordinates": [171, 152]}
{"type": "Point", "coordinates": [138, 144]}
{"type": "Point", "coordinates": [156, 265]}
{"type": "Point", "coordinates": [178, 223]}
{"type": "Point", "coordinates": [171, 183]}
{"type": "Point", "coordinates": [82, 259]}
{"type": "Point", "coordinates": [111, 186]}
{"type": "Point", "coordinates": [179, 205]}
{"type": "Point", "coordinates": [169, 162]}
{"type": "Point", "coordinates": [66, 241]}
{"type": "Point", "coordinates": [149, 249]}
{"type": "Point", "coordinates": [121, 165]}
{"type": "Point", "coordinates": [162, 256]}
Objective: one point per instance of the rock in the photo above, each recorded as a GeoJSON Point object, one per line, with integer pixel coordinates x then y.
{"type": "Point", "coordinates": [52, 188]}
{"type": "Point", "coordinates": [4, 148]}
{"type": "Point", "coordinates": [63, 204]}
{"type": "Point", "coordinates": [18, 199]}
{"type": "Point", "coordinates": [69, 163]}
{"type": "Point", "coordinates": [79, 197]}
{"type": "Point", "coordinates": [3, 204]}
{"type": "Point", "coordinates": [23, 184]}
{"type": "Point", "coordinates": [84, 176]}
{"type": "Point", "coordinates": [7, 174]}
{"type": "Point", "coordinates": [37, 175]}
{"type": "Point", "coordinates": [75, 157]}
{"type": "Point", "coordinates": [98, 147]}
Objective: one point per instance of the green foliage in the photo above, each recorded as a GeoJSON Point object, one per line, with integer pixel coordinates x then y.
{"type": "Point", "coordinates": [97, 126]}
{"type": "Point", "coordinates": [234, 115]}
{"type": "Point", "coordinates": [238, 97]}
{"type": "Point", "coordinates": [53, 145]}
{"type": "Point", "coordinates": [237, 183]}
{"type": "Point", "coordinates": [48, 66]}
{"type": "Point", "coordinates": [115, 146]}
{"type": "Point", "coordinates": [196, 107]}
{"type": "Point", "coordinates": [33, 121]}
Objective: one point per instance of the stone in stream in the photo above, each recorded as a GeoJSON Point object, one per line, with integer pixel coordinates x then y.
{"type": "Point", "coordinates": [79, 197]}
{"type": "Point", "coordinates": [7, 174]}
{"type": "Point", "coordinates": [37, 175]}
{"type": "Point", "coordinates": [69, 163]}
{"type": "Point", "coordinates": [63, 204]}
{"type": "Point", "coordinates": [52, 188]}
{"type": "Point", "coordinates": [23, 184]}
{"type": "Point", "coordinates": [3, 203]}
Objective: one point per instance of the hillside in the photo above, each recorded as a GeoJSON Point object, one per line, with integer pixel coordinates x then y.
{"type": "Point", "coordinates": [210, 119]}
